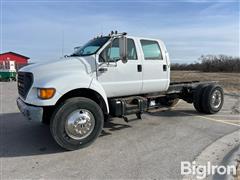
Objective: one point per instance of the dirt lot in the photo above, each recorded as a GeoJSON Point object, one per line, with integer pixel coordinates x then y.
{"type": "Point", "coordinates": [230, 81]}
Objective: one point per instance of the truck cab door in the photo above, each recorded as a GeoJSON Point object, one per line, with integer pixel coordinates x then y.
{"type": "Point", "coordinates": [116, 77]}
{"type": "Point", "coordinates": [156, 77]}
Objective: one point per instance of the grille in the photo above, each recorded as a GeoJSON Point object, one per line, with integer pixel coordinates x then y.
{"type": "Point", "coordinates": [25, 80]}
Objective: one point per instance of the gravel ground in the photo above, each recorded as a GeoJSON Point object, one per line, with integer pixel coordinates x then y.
{"type": "Point", "coordinates": [152, 148]}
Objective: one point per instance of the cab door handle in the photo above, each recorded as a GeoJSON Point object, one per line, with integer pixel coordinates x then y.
{"type": "Point", "coordinates": [102, 70]}
{"type": "Point", "coordinates": [164, 67]}
{"type": "Point", "coordinates": [139, 68]}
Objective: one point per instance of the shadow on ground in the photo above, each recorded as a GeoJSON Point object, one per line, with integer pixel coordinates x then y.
{"type": "Point", "coordinates": [175, 113]}
{"type": "Point", "coordinates": [19, 137]}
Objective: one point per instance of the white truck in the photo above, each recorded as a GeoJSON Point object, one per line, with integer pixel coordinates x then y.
{"type": "Point", "coordinates": [110, 76]}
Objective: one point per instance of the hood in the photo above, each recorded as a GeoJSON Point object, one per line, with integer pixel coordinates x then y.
{"type": "Point", "coordinates": [86, 64]}
{"type": "Point", "coordinates": [69, 66]}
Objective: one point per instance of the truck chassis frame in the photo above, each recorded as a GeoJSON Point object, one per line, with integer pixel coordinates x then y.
{"type": "Point", "coordinates": [123, 106]}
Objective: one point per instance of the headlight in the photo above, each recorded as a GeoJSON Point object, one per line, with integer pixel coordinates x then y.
{"type": "Point", "coordinates": [46, 93]}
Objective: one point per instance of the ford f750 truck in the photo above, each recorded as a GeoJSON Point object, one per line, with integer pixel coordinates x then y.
{"type": "Point", "coordinates": [110, 76]}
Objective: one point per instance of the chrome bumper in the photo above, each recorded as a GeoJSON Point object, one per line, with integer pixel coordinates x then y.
{"type": "Point", "coordinates": [32, 113]}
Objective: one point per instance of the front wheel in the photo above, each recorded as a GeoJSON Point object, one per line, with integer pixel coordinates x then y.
{"type": "Point", "coordinates": [76, 123]}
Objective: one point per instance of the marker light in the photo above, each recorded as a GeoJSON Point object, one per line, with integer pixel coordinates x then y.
{"type": "Point", "coordinates": [46, 93]}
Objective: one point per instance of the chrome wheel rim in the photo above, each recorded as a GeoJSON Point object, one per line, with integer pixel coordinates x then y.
{"type": "Point", "coordinates": [79, 124]}
{"type": "Point", "coordinates": [216, 99]}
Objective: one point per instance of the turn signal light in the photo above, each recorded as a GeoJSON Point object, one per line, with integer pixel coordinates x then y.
{"type": "Point", "coordinates": [46, 93]}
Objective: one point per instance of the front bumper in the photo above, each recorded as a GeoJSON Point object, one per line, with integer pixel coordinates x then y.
{"type": "Point", "coordinates": [32, 113]}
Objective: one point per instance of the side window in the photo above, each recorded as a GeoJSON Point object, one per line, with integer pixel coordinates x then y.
{"type": "Point", "coordinates": [132, 53]}
{"type": "Point", "coordinates": [112, 52]}
{"type": "Point", "coordinates": [151, 50]}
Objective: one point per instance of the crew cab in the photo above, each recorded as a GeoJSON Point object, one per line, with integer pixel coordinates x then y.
{"type": "Point", "coordinates": [110, 76]}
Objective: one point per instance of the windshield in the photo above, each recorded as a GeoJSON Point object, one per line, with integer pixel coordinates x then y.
{"type": "Point", "coordinates": [91, 47]}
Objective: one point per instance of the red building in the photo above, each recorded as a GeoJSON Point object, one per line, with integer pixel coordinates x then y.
{"type": "Point", "coordinates": [19, 59]}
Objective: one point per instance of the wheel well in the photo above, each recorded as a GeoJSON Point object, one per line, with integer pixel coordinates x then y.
{"type": "Point", "coordinates": [83, 92]}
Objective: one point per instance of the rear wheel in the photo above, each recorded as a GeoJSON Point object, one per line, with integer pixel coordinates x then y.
{"type": "Point", "coordinates": [197, 97]}
{"type": "Point", "coordinates": [76, 123]}
{"type": "Point", "coordinates": [213, 98]}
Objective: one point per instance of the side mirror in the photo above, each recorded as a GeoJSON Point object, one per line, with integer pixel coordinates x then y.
{"type": "Point", "coordinates": [123, 48]}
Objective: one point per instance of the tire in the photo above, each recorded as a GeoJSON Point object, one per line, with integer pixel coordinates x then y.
{"type": "Point", "coordinates": [197, 97]}
{"type": "Point", "coordinates": [169, 102]}
{"type": "Point", "coordinates": [213, 98]}
{"type": "Point", "coordinates": [71, 118]}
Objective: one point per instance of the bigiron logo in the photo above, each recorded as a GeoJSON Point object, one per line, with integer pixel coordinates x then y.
{"type": "Point", "coordinates": [202, 171]}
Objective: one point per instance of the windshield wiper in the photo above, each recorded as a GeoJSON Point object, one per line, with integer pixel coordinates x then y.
{"type": "Point", "coordinates": [72, 55]}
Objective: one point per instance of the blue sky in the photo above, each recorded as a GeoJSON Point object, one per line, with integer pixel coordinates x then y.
{"type": "Point", "coordinates": [188, 27]}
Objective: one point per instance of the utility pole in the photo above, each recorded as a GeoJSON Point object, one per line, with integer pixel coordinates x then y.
{"type": "Point", "coordinates": [62, 43]}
